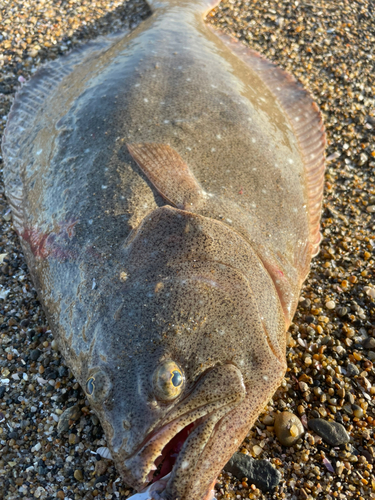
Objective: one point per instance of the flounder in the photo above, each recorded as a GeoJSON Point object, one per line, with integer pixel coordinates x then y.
{"type": "Point", "coordinates": [166, 185]}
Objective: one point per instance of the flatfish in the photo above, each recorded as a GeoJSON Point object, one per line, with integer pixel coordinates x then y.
{"type": "Point", "coordinates": [166, 185]}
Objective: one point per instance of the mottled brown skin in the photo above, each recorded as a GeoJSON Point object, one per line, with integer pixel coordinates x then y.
{"type": "Point", "coordinates": [204, 274]}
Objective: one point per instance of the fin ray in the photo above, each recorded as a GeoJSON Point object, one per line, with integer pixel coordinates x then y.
{"type": "Point", "coordinates": [28, 101]}
{"type": "Point", "coordinates": [170, 175]}
{"type": "Point", "coordinates": [307, 126]}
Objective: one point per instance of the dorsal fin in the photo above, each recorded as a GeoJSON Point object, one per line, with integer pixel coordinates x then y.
{"type": "Point", "coordinates": [18, 135]}
{"type": "Point", "coordinates": [307, 124]}
{"type": "Point", "coordinates": [170, 175]}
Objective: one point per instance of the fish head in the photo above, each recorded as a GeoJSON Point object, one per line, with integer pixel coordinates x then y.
{"type": "Point", "coordinates": [190, 366]}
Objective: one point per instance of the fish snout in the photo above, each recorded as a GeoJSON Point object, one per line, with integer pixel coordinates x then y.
{"type": "Point", "coordinates": [176, 445]}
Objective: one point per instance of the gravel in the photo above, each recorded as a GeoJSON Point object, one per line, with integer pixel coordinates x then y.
{"type": "Point", "coordinates": [328, 46]}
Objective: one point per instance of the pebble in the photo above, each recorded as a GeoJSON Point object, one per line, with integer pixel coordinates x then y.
{"type": "Point", "coordinates": [288, 428]}
{"type": "Point", "coordinates": [352, 370]}
{"type": "Point", "coordinates": [35, 354]}
{"type": "Point", "coordinates": [369, 343]}
{"type": "Point", "coordinates": [258, 472]}
{"type": "Point", "coordinates": [357, 411]}
{"type": "Point", "coordinates": [73, 413]}
{"type": "Point", "coordinates": [101, 467]}
{"type": "Point", "coordinates": [268, 420]}
{"type": "Point", "coordinates": [332, 433]}
{"type": "Point", "coordinates": [78, 475]}
{"type": "Point", "coordinates": [330, 304]}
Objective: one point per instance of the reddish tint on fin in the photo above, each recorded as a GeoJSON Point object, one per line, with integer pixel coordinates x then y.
{"type": "Point", "coordinates": [169, 174]}
{"type": "Point", "coordinates": [52, 244]}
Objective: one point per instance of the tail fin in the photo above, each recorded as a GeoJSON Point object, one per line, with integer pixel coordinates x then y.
{"type": "Point", "coordinates": [203, 6]}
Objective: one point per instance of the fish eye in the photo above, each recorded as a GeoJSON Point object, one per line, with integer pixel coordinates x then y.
{"type": "Point", "coordinates": [90, 386]}
{"type": "Point", "coordinates": [168, 381]}
{"type": "Point", "coordinates": [97, 386]}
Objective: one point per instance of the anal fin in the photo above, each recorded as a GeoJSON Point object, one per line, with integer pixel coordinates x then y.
{"type": "Point", "coordinates": [170, 175]}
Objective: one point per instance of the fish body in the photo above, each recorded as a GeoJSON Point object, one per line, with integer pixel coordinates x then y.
{"type": "Point", "coordinates": [166, 186]}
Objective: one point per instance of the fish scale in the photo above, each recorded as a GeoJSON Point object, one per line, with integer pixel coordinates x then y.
{"type": "Point", "coordinates": [166, 185]}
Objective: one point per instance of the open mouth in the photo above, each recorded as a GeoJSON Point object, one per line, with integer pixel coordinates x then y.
{"type": "Point", "coordinates": [175, 449]}
{"type": "Point", "coordinates": [172, 457]}
{"type": "Point", "coordinates": [165, 462]}
{"type": "Point", "coordinates": [158, 456]}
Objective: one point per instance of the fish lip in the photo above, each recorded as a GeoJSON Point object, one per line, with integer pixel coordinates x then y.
{"type": "Point", "coordinates": [154, 445]}
{"type": "Point", "coordinates": [141, 464]}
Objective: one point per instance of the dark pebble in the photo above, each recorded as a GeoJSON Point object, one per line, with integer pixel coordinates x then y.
{"type": "Point", "coordinates": [2, 391]}
{"type": "Point", "coordinates": [352, 370]}
{"type": "Point", "coordinates": [258, 472]}
{"type": "Point", "coordinates": [101, 479]}
{"type": "Point", "coordinates": [332, 433]}
{"type": "Point", "coordinates": [342, 311]}
{"type": "Point", "coordinates": [63, 371]}
{"type": "Point", "coordinates": [369, 343]}
{"type": "Point", "coordinates": [42, 471]}
{"type": "Point", "coordinates": [306, 303]}
{"type": "Point", "coordinates": [309, 319]}
{"type": "Point", "coordinates": [34, 354]}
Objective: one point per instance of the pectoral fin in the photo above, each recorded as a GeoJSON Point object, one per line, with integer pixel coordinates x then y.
{"type": "Point", "coordinates": [170, 175]}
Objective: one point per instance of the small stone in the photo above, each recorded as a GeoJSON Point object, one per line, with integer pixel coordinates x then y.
{"type": "Point", "coordinates": [288, 428]}
{"type": "Point", "coordinates": [60, 494]}
{"type": "Point", "coordinates": [63, 371]}
{"type": "Point", "coordinates": [330, 304]}
{"type": "Point", "coordinates": [339, 470]}
{"type": "Point", "coordinates": [35, 354]}
{"type": "Point", "coordinates": [362, 160]}
{"type": "Point", "coordinates": [341, 392]}
{"type": "Point", "coordinates": [94, 419]}
{"type": "Point", "coordinates": [268, 420]}
{"type": "Point", "coordinates": [73, 439]}
{"type": "Point", "coordinates": [303, 386]}
{"type": "Point", "coordinates": [332, 433]}
{"type": "Point", "coordinates": [258, 472]}
{"type": "Point", "coordinates": [351, 398]}
{"type": "Point", "coordinates": [78, 475]}
{"type": "Point", "coordinates": [352, 370]}
{"type": "Point", "coordinates": [101, 467]}
{"type": "Point", "coordinates": [369, 343]}
{"type": "Point", "coordinates": [73, 413]}
{"type": "Point", "coordinates": [257, 450]}
{"type": "Point", "coordinates": [342, 311]}
{"type": "Point", "coordinates": [357, 411]}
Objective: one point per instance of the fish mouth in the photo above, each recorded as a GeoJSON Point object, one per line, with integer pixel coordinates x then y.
{"type": "Point", "coordinates": [175, 448]}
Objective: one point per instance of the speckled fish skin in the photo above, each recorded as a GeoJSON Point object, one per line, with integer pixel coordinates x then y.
{"type": "Point", "coordinates": [166, 186]}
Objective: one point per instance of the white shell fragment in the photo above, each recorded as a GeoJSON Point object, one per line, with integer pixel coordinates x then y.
{"type": "Point", "coordinates": [104, 452]}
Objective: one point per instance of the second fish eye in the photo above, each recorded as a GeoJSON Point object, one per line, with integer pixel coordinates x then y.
{"type": "Point", "coordinates": [168, 381]}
